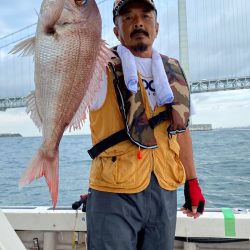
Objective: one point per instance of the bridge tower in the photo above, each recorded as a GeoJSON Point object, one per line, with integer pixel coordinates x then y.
{"type": "Point", "coordinates": [183, 41]}
{"type": "Point", "coordinates": [183, 37]}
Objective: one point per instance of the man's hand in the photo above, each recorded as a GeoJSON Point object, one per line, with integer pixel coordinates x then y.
{"type": "Point", "coordinates": [194, 200]}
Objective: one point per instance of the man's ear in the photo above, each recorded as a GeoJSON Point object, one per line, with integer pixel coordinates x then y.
{"type": "Point", "coordinates": [116, 32]}
{"type": "Point", "coordinates": [157, 28]}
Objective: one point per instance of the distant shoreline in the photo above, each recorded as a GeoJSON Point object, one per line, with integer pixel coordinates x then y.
{"type": "Point", "coordinates": [10, 135]}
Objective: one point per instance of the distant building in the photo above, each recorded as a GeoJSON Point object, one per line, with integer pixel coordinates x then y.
{"type": "Point", "coordinates": [200, 127]}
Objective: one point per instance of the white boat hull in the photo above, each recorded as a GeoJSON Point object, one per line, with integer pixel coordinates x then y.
{"type": "Point", "coordinates": [63, 229]}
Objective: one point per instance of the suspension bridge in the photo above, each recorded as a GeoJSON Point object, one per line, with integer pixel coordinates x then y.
{"type": "Point", "coordinates": [210, 38]}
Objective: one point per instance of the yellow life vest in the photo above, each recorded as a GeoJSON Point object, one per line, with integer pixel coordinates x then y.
{"type": "Point", "coordinates": [117, 169]}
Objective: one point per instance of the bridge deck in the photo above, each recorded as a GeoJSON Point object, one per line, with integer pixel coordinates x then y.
{"type": "Point", "coordinates": [220, 84]}
{"type": "Point", "coordinates": [196, 87]}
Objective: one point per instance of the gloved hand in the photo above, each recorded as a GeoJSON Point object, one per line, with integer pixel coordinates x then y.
{"type": "Point", "coordinates": [193, 197]}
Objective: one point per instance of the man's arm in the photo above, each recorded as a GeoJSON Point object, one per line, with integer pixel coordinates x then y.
{"type": "Point", "coordinates": [186, 157]}
{"type": "Point", "coordinates": [186, 153]}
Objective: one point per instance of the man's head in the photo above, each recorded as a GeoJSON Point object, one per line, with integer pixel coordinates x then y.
{"type": "Point", "coordinates": [136, 26]}
{"type": "Point", "coordinates": [120, 4]}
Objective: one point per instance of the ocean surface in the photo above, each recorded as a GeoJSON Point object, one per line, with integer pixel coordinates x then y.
{"type": "Point", "coordinates": [222, 160]}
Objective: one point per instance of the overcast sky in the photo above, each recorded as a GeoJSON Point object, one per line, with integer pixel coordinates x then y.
{"type": "Point", "coordinates": [219, 47]}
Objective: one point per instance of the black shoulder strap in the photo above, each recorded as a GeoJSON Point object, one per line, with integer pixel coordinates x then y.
{"type": "Point", "coordinates": [162, 116]}
{"type": "Point", "coordinates": [107, 143]}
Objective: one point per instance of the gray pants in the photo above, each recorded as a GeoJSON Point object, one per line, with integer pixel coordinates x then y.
{"type": "Point", "coordinates": [141, 221]}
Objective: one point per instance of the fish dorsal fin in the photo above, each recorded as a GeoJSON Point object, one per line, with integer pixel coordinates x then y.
{"type": "Point", "coordinates": [32, 109]}
{"type": "Point", "coordinates": [102, 60]}
{"type": "Point", "coordinates": [25, 48]}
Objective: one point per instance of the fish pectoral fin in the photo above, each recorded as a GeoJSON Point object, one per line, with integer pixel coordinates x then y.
{"type": "Point", "coordinates": [50, 16]}
{"type": "Point", "coordinates": [103, 58]}
{"type": "Point", "coordinates": [25, 48]}
{"type": "Point", "coordinates": [32, 109]}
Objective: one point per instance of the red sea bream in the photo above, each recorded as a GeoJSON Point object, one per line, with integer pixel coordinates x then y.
{"type": "Point", "coordinates": [70, 58]}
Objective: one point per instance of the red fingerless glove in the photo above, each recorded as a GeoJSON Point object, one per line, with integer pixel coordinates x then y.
{"type": "Point", "coordinates": [193, 196]}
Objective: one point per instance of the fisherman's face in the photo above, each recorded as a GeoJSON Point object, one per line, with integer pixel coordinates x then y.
{"type": "Point", "coordinates": [136, 28]}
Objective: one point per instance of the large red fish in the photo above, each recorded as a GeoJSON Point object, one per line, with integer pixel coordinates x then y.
{"type": "Point", "coordinates": [69, 57]}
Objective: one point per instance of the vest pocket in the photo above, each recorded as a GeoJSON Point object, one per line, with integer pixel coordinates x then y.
{"type": "Point", "coordinates": [126, 168]}
{"type": "Point", "coordinates": [116, 170]}
{"type": "Point", "coordinates": [109, 169]}
{"type": "Point", "coordinates": [175, 168]}
{"type": "Point", "coordinates": [174, 146]}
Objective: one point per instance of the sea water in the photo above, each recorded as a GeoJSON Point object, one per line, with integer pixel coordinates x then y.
{"type": "Point", "coordinates": [222, 159]}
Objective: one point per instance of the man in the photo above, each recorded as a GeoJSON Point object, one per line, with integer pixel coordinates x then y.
{"type": "Point", "coordinates": [137, 162]}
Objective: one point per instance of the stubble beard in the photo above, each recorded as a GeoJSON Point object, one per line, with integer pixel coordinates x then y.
{"type": "Point", "coordinates": [140, 47]}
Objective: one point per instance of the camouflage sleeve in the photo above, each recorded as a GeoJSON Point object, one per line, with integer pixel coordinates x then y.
{"type": "Point", "coordinates": [180, 88]}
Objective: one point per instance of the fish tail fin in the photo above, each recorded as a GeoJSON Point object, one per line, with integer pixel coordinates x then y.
{"type": "Point", "coordinates": [40, 166]}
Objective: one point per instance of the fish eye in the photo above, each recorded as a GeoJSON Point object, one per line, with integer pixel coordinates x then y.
{"type": "Point", "coordinates": [81, 2]}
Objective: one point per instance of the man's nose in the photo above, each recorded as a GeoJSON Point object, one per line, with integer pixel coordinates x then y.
{"type": "Point", "coordinates": [138, 23]}
{"type": "Point", "coordinates": [137, 26]}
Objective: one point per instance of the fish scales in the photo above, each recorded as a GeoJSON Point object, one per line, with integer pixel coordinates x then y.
{"type": "Point", "coordinates": [66, 94]}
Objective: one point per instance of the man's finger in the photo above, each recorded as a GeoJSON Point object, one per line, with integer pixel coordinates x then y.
{"type": "Point", "coordinates": [197, 215]}
{"type": "Point", "coordinates": [194, 209]}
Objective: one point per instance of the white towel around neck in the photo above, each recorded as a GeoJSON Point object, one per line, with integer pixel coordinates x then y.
{"type": "Point", "coordinates": [163, 91]}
